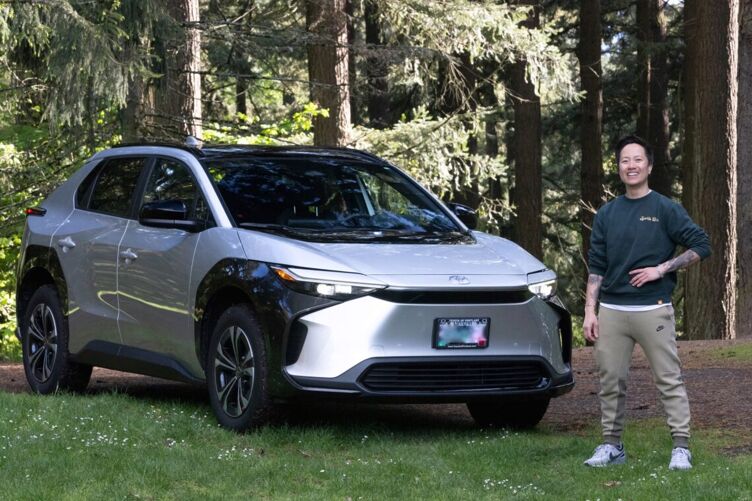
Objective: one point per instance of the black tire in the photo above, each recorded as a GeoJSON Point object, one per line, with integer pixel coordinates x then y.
{"type": "Point", "coordinates": [519, 413]}
{"type": "Point", "coordinates": [44, 341]}
{"type": "Point", "coordinates": [236, 371]}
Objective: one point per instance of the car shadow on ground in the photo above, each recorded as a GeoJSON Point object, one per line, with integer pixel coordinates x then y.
{"type": "Point", "coordinates": [305, 413]}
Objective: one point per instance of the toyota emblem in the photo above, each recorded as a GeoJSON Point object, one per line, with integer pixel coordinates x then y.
{"type": "Point", "coordinates": [459, 280]}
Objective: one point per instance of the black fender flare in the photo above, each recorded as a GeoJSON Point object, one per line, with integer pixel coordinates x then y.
{"type": "Point", "coordinates": [38, 257]}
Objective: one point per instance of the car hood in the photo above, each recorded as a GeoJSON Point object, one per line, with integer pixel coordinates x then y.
{"type": "Point", "coordinates": [488, 260]}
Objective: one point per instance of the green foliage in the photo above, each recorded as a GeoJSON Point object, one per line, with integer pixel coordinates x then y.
{"type": "Point", "coordinates": [88, 51]}
{"type": "Point", "coordinates": [9, 346]}
{"type": "Point", "coordinates": [435, 153]}
{"type": "Point", "coordinates": [11, 167]}
{"type": "Point", "coordinates": [250, 130]}
{"type": "Point", "coordinates": [483, 31]}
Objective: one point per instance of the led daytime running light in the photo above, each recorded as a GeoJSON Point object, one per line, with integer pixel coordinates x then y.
{"type": "Point", "coordinates": [328, 289]}
{"type": "Point", "coordinates": [543, 290]}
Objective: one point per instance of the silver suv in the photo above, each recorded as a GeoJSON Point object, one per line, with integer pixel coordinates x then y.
{"type": "Point", "coordinates": [272, 273]}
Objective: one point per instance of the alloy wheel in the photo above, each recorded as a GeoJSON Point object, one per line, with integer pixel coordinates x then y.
{"type": "Point", "coordinates": [234, 371]}
{"type": "Point", "coordinates": [42, 342]}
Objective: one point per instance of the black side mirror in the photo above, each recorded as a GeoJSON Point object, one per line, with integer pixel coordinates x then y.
{"type": "Point", "coordinates": [467, 215]}
{"type": "Point", "coordinates": [168, 214]}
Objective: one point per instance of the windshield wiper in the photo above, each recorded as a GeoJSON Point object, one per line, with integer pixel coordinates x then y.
{"type": "Point", "coordinates": [390, 235]}
{"type": "Point", "coordinates": [366, 234]}
{"type": "Point", "coordinates": [276, 228]}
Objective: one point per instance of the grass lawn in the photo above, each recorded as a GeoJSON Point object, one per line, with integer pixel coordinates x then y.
{"type": "Point", "coordinates": [112, 446]}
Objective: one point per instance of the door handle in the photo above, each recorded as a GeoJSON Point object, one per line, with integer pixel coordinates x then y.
{"type": "Point", "coordinates": [128, 255]}
{"type": "Point", "coordinates": [66, 243]}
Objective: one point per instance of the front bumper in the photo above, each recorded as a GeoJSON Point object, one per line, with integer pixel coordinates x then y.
{"type": "Point", "coordinates": [371, 347]}
{"type": "Point", "coordinates": [444, 379]}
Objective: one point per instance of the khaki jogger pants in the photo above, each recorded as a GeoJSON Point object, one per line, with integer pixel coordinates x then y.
{"type": "Point", "coordinates": [655, 332]}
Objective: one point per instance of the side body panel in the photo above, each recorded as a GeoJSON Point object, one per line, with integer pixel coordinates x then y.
{"type": "Point", "coordinates": [90, 269]}
{"type": "Point", "coordinates": [154, 290]}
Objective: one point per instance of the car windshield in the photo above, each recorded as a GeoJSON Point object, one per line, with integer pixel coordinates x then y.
{"type": "Point", "coordinates": [329, 199]}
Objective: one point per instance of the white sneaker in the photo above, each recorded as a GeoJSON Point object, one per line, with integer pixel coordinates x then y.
{"type": "Point", "coordinates": [606, 455]}
{"type": "Point", "coordinates": [681, 459]}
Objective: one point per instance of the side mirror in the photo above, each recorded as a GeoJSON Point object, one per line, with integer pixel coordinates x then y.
{"type": "Point", "coordinates": [168, 214]}
{"type": "Point", "coordinates": [467, 215]}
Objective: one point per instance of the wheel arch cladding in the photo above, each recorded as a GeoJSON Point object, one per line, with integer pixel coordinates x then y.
{"type": "Point", "coordinates": [239, 281]}
{"type": "Point", "coordinates": [40, 266]}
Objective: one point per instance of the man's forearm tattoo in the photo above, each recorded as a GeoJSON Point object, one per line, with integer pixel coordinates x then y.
{"type": "Point", "coordinates": [593, 289]}
{"type": "Point", "coordinates": [681, 261]}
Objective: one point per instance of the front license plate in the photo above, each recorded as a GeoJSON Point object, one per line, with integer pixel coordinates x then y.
{"type": "Point", "coordinates": [449, 333]}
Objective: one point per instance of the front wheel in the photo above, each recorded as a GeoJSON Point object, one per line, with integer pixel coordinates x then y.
{"type": "Point", "coordinates": [236, 371]}
{"type": "Point", "coordinates": [516, 412]}
{"type": "Point", "coordinates": [44, 341]}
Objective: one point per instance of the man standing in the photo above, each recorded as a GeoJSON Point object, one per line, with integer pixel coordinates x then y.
{"type": "Point", "coordinates": [632, 274]}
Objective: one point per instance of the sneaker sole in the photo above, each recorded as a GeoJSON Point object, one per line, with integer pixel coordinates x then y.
{"type": "Point", "coordinates": [615, 461]}
{"type": "Point", "coordinates": [680, 468]}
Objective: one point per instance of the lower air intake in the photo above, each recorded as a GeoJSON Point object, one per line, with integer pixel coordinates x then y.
{"type": "Point", "coordinates": [452, 376]}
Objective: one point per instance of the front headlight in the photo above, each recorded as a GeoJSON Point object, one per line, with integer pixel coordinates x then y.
{"type": "Point", "coordinates": [330, 284]}
{"type": "Point", "coordinates": [542, 283]}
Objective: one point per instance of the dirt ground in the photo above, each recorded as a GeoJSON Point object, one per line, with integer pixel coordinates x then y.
{"type": "Point", "coordinates": [719, 392]}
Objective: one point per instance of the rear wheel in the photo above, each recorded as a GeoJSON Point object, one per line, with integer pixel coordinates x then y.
{"type": "Point", "coordinates": [44, 342]}
{"type": "Point", "coordinates": [236, 372]}
{"type": "Point", "coordinates": [518, 413]}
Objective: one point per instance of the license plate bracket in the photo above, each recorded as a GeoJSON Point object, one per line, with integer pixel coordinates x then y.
{"type": "Point", "coordinates": [461, 333]}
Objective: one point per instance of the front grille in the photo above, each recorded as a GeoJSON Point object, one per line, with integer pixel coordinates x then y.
{"type": "Point", "coordinates": [454, 376]}
{"type": "Point", "coordinates": [453, 297]}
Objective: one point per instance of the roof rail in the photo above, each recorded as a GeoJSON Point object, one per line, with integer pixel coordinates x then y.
{"type": "Point", "coordinates": [191, 149]}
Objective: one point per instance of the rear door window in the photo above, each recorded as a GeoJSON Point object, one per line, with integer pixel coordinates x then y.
{"type": "Point", "coordinates": [115, 186]}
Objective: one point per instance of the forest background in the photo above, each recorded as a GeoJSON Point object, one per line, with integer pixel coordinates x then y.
{"type": "Point", "coordinates": [509, 107]}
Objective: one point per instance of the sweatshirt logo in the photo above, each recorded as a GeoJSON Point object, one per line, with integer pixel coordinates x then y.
{"type": "Point", "coordinates": [651, 219]}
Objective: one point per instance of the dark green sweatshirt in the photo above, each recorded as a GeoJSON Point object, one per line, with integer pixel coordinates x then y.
{"type": "Point", "coordinates": [638, 233]}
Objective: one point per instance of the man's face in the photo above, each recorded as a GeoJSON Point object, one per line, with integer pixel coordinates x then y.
{"type": "Point", "coordinates": [633, 166]}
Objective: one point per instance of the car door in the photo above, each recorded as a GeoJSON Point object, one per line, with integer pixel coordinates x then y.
{"type": "Point", "coordinates": [87, 247]}
{"type": "Point", "coordinates": [155, 268]}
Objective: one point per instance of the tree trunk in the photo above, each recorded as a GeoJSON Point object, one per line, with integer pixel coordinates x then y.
{"type": "Point", "coordinates": [710, 300]}
{"type": "Point", "coordinates": [376, 69]}
{"type": "Point", "coordinates": [241, 86]}
{"type": "Point", "coordinates": [653, 116]}
{"type": "Point", "coordinates": [489, 100]}
{"type": "Point", "coordinates": [688, 92]}
{"type": "Point", "coordinates": [328, 70]}
{"type": "Point", "coordinates": [91, 115]}
{"type": "Point", "coordinates": [744, 171]}
{"type": "Point", "coordinates": [528, 192]}
{"type": "Point", "coordinates": [178, 92]}
{"type": "Point", "coordinates": [133, 119]}
{"type": "Point", "coordinates": [591, 73]}
{"type": "Point", "coordinates": [644, 48]}
{"type": "Point", "coordinates": [352, 35]}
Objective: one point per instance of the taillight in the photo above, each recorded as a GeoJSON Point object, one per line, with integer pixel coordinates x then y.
{"type": "Point", "coordinates": [35, 211]}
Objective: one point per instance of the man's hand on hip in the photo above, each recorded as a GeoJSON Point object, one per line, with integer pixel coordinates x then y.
{"type": "Point", "coordinates": [641, 276]}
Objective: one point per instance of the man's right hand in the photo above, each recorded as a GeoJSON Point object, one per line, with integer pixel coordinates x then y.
{"type": "Point", "coordinates": [590, 326]}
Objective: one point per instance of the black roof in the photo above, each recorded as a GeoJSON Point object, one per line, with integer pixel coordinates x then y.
{"type": "Point", "coordinates": [235, 150]}
{"type": "Point", "coordinates": [223, 151]}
